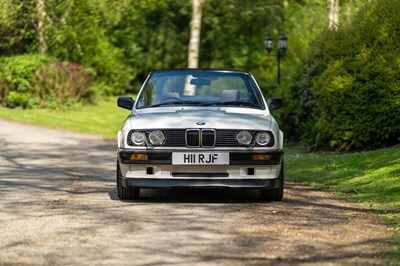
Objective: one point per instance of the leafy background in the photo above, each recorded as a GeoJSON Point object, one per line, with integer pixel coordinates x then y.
{"type": "Point", "coordinates": [341, 88]}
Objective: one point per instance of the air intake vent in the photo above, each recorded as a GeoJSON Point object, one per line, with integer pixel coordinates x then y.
{"type": "Point", "coordinates": [208, 138]}
{"type": "Point", "coordinates": [193, 138]}
{"type": "Point", "coordinates": [200, 138]}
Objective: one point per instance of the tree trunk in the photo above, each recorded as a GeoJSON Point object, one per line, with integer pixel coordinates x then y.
{"type": "Point", "coordinates": [195, 29]}
{"type": "Point", "coordinates": [333, 14]}
{"type": "Point", "coordinates": [41, 22]}
{"type": "Point", "coordinates": [349, 11]}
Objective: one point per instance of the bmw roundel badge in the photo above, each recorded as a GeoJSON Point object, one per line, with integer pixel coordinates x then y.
{"type": "Point", "coordinates": [201, 123]}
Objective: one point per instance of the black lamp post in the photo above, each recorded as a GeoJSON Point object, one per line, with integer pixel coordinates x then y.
{"type": "Point", "coordinates": [282, 47]}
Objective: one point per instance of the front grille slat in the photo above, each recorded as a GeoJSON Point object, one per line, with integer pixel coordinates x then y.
{"type": "Point", "coordinates": [193, 138]}
{"type": "Point", "coordinates": [226, 138]}
{"type": "Point", "coordinates": [208, 137]}
{"type": "Point", "coordinates": [175, 138]}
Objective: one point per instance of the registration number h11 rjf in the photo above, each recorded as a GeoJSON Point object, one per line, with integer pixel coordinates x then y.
{"type": "Point", "coordinates": [204, 158]}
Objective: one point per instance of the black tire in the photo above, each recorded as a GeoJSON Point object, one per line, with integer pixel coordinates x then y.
{"type": "Point", "coordinates": [275, 194]}
{"type": "Point", "coordinates": [125, 193]}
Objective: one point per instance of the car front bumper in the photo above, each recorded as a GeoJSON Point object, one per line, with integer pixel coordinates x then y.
{"type": "Point", "coordinates": [157, 171]}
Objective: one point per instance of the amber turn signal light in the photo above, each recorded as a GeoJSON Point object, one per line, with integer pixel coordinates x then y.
{"type": "Point", "coordinates": [261, 157]}
{"type": "Point", "coordinates": [139, 156]}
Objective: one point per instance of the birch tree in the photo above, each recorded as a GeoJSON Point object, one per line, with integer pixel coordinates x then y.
{"type": "Point", "coordinates": [333, 14]}
{"type": "Point", "coordinates": [41, 22]}
{"type": "Point", "coordinates": [195, 30]}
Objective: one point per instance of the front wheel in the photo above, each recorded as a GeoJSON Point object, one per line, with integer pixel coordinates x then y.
{"type": "Point", "coordinates": [275, 194]}
{"type": "Point", "coordinates": [125, 192]}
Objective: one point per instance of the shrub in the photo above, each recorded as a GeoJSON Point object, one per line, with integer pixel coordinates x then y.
{"type": "Point", "coordinates": [64, 84]}
{"type": "Point", "coordinates": [16, 78]}
{"type": "Point", "coordinates": [352, 79]}
{"type": "Point", "coordinates": [31, 81]}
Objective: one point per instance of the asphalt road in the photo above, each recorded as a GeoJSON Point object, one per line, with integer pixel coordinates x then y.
{"type": "Point", "coordinates": [58, 206]}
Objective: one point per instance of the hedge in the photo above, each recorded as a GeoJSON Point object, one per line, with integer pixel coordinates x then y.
{"type": "Point", "coordinates": [348, 91]}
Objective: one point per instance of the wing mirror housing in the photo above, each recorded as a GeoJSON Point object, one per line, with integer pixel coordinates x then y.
{"type": "Point", "coordinates": [125, 102]}
{"type": "Point", "coordinates": [274, 103]}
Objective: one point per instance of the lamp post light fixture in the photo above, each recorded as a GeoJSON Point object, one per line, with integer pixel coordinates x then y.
{"type": "Point", "coordinates": [282, 47]}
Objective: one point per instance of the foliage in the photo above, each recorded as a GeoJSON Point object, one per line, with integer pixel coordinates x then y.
{"type": "Point", "coordinates": [17, 82]}
{"type": "Point", "coordinates": [303, 24]}
{"type": "Point", "coordinates": [78, 33]}
{"type": "Point", "coordinates": [17, 27]}
{"type": "Point", "coordinates": [348, 89]}
{"type": "Point", "coordinates": [63, 84]}
{"type": "Point", "coordinates": [153, 34]}
{"type": "Point", "coordinates": [124, 40]}
{"type": "Point", "coordinates": [32, 81]}
{"type": "Point", "coordinates": [225, 43]}
{"type": "Point", "coordinates": [328, 90]}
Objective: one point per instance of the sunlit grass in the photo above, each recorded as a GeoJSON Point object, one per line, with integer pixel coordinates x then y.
{"type": "Point", "coordinates": [103, 119]}
{"type": "Point", "coordinates": [371, 178]}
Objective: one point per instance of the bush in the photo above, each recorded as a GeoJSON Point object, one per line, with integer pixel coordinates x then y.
{"type": "Point", "coordinates": [16, 79]}
{"type": "Point", "coordinates": [31, 81]}
{"type": "Point", "coordinates": [63, 84]}
{"type": "Point", "coordinates": [351, 79]}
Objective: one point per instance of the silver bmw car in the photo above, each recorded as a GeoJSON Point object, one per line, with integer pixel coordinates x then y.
{"type": "Point", "coordinates": [200, 128]}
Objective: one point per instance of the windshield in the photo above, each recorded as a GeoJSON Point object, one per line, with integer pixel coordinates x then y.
{"type": "Point", "coordinates": [200, 88]}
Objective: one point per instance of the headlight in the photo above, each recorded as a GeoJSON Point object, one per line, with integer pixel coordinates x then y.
{"type": "Point", "coordinates": [138, 138]}
{"type": "Point", "coordinates": [157, 137]}
{"type": "Point", "coordinates": [263, 138]}
{"type": "Point", "coordinates": [244, 138]}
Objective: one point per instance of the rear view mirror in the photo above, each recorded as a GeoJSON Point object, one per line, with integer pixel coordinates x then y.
{"type": "Point", "coordinates": [274, 103]}
{"type": "Point", "coordinates": [125, 102]}
{"type": "Point", "coordinates": [200, 82]}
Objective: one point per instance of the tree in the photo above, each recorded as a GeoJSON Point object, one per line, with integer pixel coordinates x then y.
{"type": "Point", "coordinates": [195, 30]}
{"type": "Point", "coordinates": [348, 89]}
{"type": "Point", "coordinates": [333, 14]}
{"type": "Point", "coordinates": [41, 23]}
{"type": "Point", "coordinates": [18, 27]}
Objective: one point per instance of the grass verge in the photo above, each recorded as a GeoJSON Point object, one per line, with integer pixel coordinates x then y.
{"type": "Point", "coordinates": [370, 178]}
{"type": "Point", "coordinates": [103, 119]}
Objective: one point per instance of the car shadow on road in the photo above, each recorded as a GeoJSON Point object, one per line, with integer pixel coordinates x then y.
{"type": "Point", "coordinates": [191, 195]}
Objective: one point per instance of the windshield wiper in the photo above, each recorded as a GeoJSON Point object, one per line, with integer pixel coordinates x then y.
{"type": "Point", "coordinates": [177, 103]}
{"type": "Point", "coordinates": [234, 103]}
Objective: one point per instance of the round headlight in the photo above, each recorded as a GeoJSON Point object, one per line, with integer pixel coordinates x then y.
{"type": "Point", "coordinates": [244, 137]}
{"type": "Point", "coordinates": [157, 137]}
{"type": "Point", "coordinates": [263, 138]}
{"type": "Point", "coordinates": [138, 138]}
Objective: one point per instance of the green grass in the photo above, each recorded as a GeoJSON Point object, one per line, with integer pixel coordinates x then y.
{"type": "Point", "coordinates": [371, 178]}
{"type": "Point", "coordinates": [103, 119]}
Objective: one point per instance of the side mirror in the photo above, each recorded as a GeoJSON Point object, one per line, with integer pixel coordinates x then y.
{"type": "Point", "coordinates": [274, 103]}
{"type": "Point", "coordinates": [125, 102]}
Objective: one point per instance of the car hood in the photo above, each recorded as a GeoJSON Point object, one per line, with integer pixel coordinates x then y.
{"type": "Point", "coordinates": [220, 119]}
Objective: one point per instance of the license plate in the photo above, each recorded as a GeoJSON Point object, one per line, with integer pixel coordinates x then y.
{"type": "Point", "coordinates": [204, 158]}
